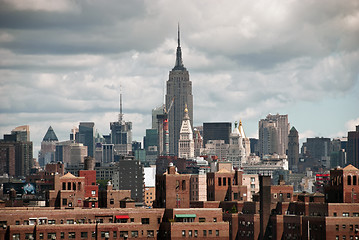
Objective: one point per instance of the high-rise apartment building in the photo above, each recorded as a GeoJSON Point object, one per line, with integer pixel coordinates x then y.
{"type": "Point", "coordinates": [273, 134]}
{"type": "Point", "coordinates": [353, 147]}
{"type": "Point", "coordinates": [23, 162]}
{"type": "Point", "coordinates": [179, 94]}
{"type": "Point", "coordinates": [293, 149]}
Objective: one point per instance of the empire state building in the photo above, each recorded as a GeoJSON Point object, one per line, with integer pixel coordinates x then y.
{"type": "Point", "coordinates": [179, 94]}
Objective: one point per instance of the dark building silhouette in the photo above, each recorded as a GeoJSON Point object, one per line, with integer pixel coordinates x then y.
{"type": "Point", "coordinates": [179, 94]}
{"type": "Point", "coordinates": [216, 131]}
{"type": "Point", "coordinates": [86, 136]}
{"type": "Point", "coordinates": [293, 149]}
{"type": "Point", "coordinates": [353, 147]}
{"type": "Point", "coordinates": [318, 151]}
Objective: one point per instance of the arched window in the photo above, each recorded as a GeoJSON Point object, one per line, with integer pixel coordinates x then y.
{"type": "Point", "coordinates": [349, 178]}
{"type": "Point", "coordinates": [354, 180]}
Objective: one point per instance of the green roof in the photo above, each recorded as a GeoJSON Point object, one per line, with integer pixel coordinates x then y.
{"type": "Point", "coordinates": [185, 215]}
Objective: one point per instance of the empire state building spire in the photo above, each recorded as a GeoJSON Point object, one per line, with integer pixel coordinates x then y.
{"type": "Point", "coordinates": [179, 62]}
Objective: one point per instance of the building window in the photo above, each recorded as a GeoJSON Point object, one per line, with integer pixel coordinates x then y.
{"type": "Point", "coordinates": [224, 181]}
{"type": "Point", "coordinates": [64, 202]}
{"type": "Point", "coordinates": [344, 226]}
{"type": "Point", "coordinates": [70, 221]}
{"type": "Point", "coordinates": [183, 233]}
{"type": "Point", "coordinates": [132, 219]}
{"type": "Point", "coordinates": [337, 227]}
{"type": "Point", "coordinates": [253, 186]}
{"type": "Point", "coordinates": [72, 235]}
{"type": "Point", "coordinates": [17, 223]}
{"type": "Point", "coordinates": [349, 180]}
{"type": "Point", "coordinates": [204, 233]}
{"type": "Point", "coordinates": [253, 179]}
{"type": "Point", "coordinates": [62, 235]}
{"type": "Point", "coordinates": [214, 219]}
{"type": "Point", "coordinates": [288, 195]}
{"type": "Point", "coordinates": [29, 236]}
{"type": "Point", "coordinates": [123, 234]}
{"type": "Point", "coordinates": [145, 220]}
{"type": "Point", "coordinates": [112, 201]}
{"type": "Point", "coordinates": [209, 232]}
{"type": "Point", "coordinates": [335, 214]}
{"type": "Point", "coordinates": [219, 181]}
{"type": "Point", "coordinates": [16, 236]}
{"type": "Point", "coordinates": [63, 186]}
{"type": "Point", "coordinates": [217, 232]}
{"type": "Point", "coordinates": [52, 222]}
{"type": "Point", "coordinates": [190, 233]}
{"type": "Point", "coordinates": [183, 184]}
{"type": "Point", "coordinates": [150, 233]}
{"type": "Point", "coordinates": [93, 192]}
{"type": "Point", "coordinates": [84, 235]}
{"type": "Point", "coordinates": [51, 235]}
{"type": "Point", "coordinates": [68, 186]}
{"type": "Point", "coordinates": [202, 219]}
{"type": "Point", "coordinates": [134, 234]}
{"type": "Point", "coordinates": [345, 214]}
{"type": "Point", "coordinates": [195, 233]}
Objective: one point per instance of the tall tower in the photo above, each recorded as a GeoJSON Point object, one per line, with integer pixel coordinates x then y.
{"type": "Point", "coordinates": [121, 134]}
{"type": "Point", "coordinates": [236, 151]}
{"type": "Point", "coordinates": [293, 149]}
{"type": "Point", "coordinates": [186, 143]}
{"type": "Point", "coordinates": [179, 88]}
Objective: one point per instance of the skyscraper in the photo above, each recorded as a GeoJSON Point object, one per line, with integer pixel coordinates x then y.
{"type": "Point", "coordinates": [179, 89]}
{"type": "Point", "coordinates": [87, 137]}
{"type": "Point", "coordinates": [273, 134]}
{"type": "Point", "coordinates": [353, 147]}
{"type": "Point", "coordinates": [48, 147]}
{"type": "Point", "coordinates": [121, 134]}
{"type": "Point", "coordinates": [293, 149]}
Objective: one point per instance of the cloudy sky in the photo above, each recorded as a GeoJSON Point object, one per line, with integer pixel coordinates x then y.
{"type": "Point", "coordinates": [63, 61]}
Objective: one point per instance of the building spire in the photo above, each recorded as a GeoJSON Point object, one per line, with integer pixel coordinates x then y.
{"type": "Point", "coordinates": [179, 62]}
{"type": "Point", "coordinates": [120, 116]}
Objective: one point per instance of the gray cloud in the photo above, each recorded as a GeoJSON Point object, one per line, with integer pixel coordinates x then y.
{"type": "Point", "coordinates": [63, 62]}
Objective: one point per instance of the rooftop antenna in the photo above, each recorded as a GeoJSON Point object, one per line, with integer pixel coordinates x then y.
{"type": "Point", "coordinates": [120, 116]}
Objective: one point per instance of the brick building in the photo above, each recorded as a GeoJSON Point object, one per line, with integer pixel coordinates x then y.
{"type": "Point", "coordinates": [225, 184]}
{"type": "Point", "coordinates": [343, 185]}
{"type": "Point", "coordinates": [172, 189]}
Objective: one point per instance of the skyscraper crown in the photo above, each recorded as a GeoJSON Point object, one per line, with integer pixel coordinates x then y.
{"type": "Point", "coordinates": [179, 63]}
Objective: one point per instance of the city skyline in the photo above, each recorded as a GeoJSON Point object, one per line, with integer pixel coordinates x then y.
{"type": "Point", "coordinates": [63, 63]}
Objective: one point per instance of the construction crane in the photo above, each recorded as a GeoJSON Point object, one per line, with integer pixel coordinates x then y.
{"type": "Point", "coordinates": [165, 127]}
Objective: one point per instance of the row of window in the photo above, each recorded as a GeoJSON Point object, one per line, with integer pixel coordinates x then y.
{"type": "Point", "coordinates": [194, 233]}
{"type": "Point", "coordinates": [34, 221]}
{"type": "Point", "coordinates": [345, 237]}
{"type": "Point", "coordinates": [84, 235]}
{"type": "Point", "coordinates": [351, 227]}
{"type": "Point", "coordinates": [347, 214]}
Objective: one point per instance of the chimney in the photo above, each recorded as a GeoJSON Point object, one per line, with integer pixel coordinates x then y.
{"type": "Point", "coordinates": [171, 169]}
